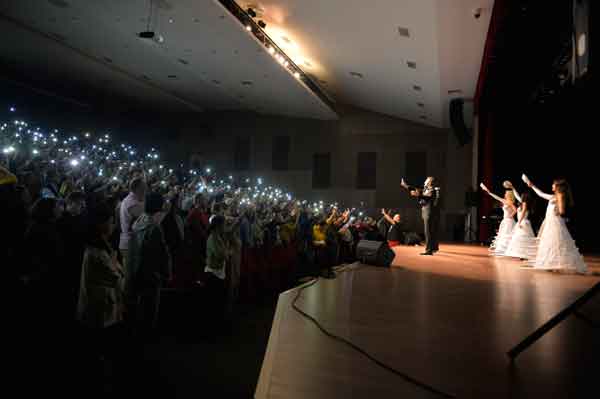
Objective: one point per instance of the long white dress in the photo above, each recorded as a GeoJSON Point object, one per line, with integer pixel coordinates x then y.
{"type": "Point", "coordinates": [556, 248]}
{"type": "Point", "coordinates": [523, 243]}
{"type": "Point", "coordinates": [500, 243]}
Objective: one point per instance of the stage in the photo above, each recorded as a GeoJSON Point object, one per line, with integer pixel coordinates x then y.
{"type": "Point", "coordinates": [446, 320]}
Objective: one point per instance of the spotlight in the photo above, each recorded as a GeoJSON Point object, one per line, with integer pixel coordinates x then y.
{"type": "Point", "coordinates": [248, 28]}
{"type": "Point", "coordinates": [12, 109]}
{"type": "Point", "coordinates": [296, 75]}
{"type": "Point", "coordinates": [262, 24]}
{"type": "Point", "coordinates": [251, 12]}
{"type": "Point", "coordinates": [271, 50]}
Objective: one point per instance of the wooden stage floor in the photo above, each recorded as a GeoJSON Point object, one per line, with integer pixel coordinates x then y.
{"type": "Point", "coordinates": [447, 320]}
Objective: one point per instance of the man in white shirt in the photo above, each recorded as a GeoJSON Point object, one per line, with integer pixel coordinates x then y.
{"type": "Point", "coordinates": [131, 209]}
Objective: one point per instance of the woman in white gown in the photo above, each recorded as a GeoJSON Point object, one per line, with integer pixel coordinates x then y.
{"type": "Point", "coordinates": [500, 243]}
{"type": "Point", "coordinates": [523, 243]}
{"type": "Point", "coordinates": [556, 248]}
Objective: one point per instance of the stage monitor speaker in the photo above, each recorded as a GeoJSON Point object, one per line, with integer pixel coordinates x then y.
{"type": "Point", "coordinates": [376, 253]}
{"type": "Point", "coordinates": [457, 121]}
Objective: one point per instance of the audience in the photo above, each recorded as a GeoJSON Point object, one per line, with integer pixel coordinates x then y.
{"type": "Point", "coordinates": [96, 230]}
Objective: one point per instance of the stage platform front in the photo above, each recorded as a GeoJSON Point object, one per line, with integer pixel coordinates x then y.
{"type": "Point", "coordinates": [446, 320]}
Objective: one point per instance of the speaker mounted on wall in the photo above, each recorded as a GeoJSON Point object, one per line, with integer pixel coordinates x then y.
{"type": "Point", "coordinates": [581, 38]}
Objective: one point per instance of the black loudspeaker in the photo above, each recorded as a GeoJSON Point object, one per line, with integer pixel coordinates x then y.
{"type": "Point", "coordinates": [376, 253]}
{"type": "Point", "coordinates": [457, 121]}
{"type": "Point", "coordinates": [581, 37]}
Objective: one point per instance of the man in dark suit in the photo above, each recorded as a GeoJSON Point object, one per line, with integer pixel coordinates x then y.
{"type": "Point", "coordinates": [428, 198]}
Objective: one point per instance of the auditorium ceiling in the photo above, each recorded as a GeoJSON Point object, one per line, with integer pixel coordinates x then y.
{"type": "Point", "coordinates": [405, 58]}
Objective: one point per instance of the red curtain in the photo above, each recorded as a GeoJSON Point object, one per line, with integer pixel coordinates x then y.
{"type": "Point", "coordinates": [485, 111]}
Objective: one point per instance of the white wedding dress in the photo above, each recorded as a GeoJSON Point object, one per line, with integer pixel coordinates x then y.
{"type": "Point", "coordinates": [523, 243]}
{"type": "Point", "coordinates": [556, 248]}
{"type": "Point", "coordinates": [502, 239]}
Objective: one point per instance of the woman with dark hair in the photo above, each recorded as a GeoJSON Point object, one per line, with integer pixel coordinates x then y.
{"type": "Point", "coordinates": [173, 226]}
{"type": "Point", "coordinates": [101, 291]}
{"type": "Point", "coordinates": [556, 248]}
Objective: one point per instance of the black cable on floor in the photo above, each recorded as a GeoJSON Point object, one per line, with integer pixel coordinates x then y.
{"type": "Point", "coordinates": [363, 352]}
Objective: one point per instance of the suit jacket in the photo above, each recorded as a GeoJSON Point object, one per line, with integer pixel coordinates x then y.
{"type": "Point", "coordinates": [428, 198]}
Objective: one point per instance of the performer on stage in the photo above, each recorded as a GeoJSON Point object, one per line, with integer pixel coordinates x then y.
{"type": "Point", "coordinates": [428, 198]}
{"type": "Point", "coordinates": [500, 243]}
{"type": "Point", "coordinates": [556, 248]}
{"type": "Point", "coordinates": [523, 243]}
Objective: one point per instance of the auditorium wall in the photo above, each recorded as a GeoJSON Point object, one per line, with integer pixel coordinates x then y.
{"type": "Point", "coordinates": [356, 131]}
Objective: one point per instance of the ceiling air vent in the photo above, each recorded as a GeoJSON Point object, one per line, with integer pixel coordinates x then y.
{"type": "Point", "coordinates": [403, 32]}
{"type": "Point", "coordinates": [59, 3]}
{"type": "Point", "coordinates": [182, 61]}
{"type": "Point", "coordinates": [356, 75]}
{"type": "Point", "coordinates": [416, 88]}
{"type": "Point", "coordinates": [163, 5]}
{"type": "Point", "coordinates": [411, 64]}
{"type": "Point", "coordinates": [217, 82]}
{"type": "Point", "coordinates": [455, 91]}
{"type": "Point", "coordinates": [172, 76]}
{"type": "Point", "coordinates": [421, 105]}
{"type": "Point", "coordinates": [246, 83]}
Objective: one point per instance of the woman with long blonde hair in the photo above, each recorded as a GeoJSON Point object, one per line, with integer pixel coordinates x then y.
{"type": "Point", "coordinates": [509, 209]}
